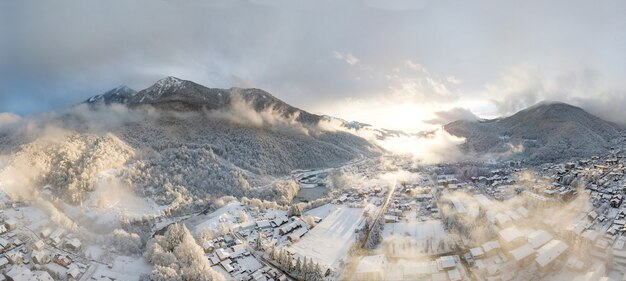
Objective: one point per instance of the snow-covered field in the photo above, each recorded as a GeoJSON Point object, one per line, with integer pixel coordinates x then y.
{"type": "Point", "coordinates": [124, 268]}
{"type": "Point", "coordinates": [414, 239]}
{"type": "Point", "coordinates": [225, 216]}
{"type": "Point", "coordinates": [416, 230]}
{"type": "Point", "coordinates": [330, 240]}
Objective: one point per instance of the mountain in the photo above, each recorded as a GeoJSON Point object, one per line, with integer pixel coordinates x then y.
{"type": "Point", "coordinates": [546, 132]}
{"type": "Point", "coordinates": [119, 95]}
{"type": "Point", "coordinates": [181, 144]}
{"type": "Point", "coordinates": [172, 93]}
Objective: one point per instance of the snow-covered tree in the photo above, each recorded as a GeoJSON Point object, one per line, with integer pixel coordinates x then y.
{"type": "Point", "coordinates": [125, 242]}
{"type": "Point", "coordinates": [177, 251]}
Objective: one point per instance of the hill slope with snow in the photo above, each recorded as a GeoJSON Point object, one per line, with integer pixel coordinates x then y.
{"type": "Point", "coordinates": [546, 132]}
{"type": "Point", "coordinates": [179, 142]}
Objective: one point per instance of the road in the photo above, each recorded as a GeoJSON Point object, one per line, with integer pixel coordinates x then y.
{"type": "Point", "coordinates": [381, 212]}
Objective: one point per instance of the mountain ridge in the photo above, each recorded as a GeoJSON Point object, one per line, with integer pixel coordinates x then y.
{"type": "Point", "coordinates": [177, 94]}
{"type": "Point", "coordinates": [118, 95]}
{"type": "Point", "coordinates": [547, 131]}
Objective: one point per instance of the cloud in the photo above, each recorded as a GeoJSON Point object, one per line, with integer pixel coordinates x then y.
{"type": "Point", "coordinates": [454, 114]}
{"type": "Point", "coordinates": [452, 79]}
{"type": "Point", "coordinates": [54, 56]}
{"type": "Point", "coordinates": [436, 147]}
{"type": "Point", "coordinates": [243, 113]}
{"type": "Point", "coordinates": [348, 58]}
{"type": "Point", "coordinates": [522, 87]}
{"type": "Point", "coordinates": [7, 118]}
{"type": "Point", "coordinates": [414, 66]}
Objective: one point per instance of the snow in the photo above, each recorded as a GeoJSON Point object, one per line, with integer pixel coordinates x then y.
{"type": "Point", "coordinates": [510, 234]}
{"type": "Point", "coordinates": [165, 84]}
{"type": "Point", "coordinates": [414, 239]}
{"type": "Point", "coordinates": [538, 238]}
{"type": "Point", "coordinates": [322, 211]}
{"type": "Point", "coordinates": [227, 216]}
{"type": "Point", "coordinates": [522, 252]}
{"type": "Point", "coordinates": [330, 240]}
{"type": "Point", "coordinates": [549, 252]}
{"type": "Point", "coordinates": [125, 268]}
{"type": "Point", "coordinates": [93, 252]}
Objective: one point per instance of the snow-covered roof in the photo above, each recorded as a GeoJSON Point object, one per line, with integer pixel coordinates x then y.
{"type": "Point", "coordinates": [483, 200]}
{"type": "Point", "coordinates": [73, 271]}
{"type": "Point", "coordinates": [263, 224]}
{"type": "Point", "coordinates": [3, 242]}
{"type": "Point", "coordinates": [38, 256]}
{"type": "Point", "coordinates": [502, 219]}
{"type": "Point", "coordinates": [510, 234]}
{"type": "Point", "coordinates": [550, 252]}
{"type": "Point", "coordinates": [39, 245]}
{"type": "Point", "coordinates": [454, 275]}
{"type": "Point", "coordinates": [227, 266]}
{"type": "Point", "coordinates": [477, 252]}
{"type": "Point", "coordinates": [447, 262]}
{"type": "Point", "coordinates": [280, 220]}
{"type": "Point", "coordinates": [538, 238]}
{"type": "Point", "coordinates": [298, 233]}
{"type": "Point", "coordinates": [20, 273]}
{"type": "Point", "coordinates": [46, 232]}
{"type": "Point", "coordinates": [522, 211]}
{"type": "Point", "coordinates": [491, 245]}
{"type": "Point", "coordinates": [74, 243]}
{"type": "Point", "coordinates": [522, 252]}
{"type": "Point", "coordinates": [222, 254]}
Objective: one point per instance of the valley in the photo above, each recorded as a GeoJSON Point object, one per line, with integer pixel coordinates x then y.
{"type": "Point", "coordinates": [139, 185]}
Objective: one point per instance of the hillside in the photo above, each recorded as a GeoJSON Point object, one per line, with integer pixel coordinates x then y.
{"type": "Point", "coordinates": [119, 95]}
{"type": "Point", "coordinates": [546, 132]}
{"type": "Point", "coordinates": [179, 142]}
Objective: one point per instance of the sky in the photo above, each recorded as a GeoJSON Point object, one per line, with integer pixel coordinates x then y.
{"type": "Point", "coordinates": [408, 65]}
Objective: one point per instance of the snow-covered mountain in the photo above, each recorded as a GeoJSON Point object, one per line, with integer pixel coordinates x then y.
{"type": "Point", "coordinates": [180, 142]}
{"type": "Point", "coordinates": [546, 132]}
{"type": "Point", "coordinates": [119, 95]}
{"type": "Point", "coordinates": [172, 93]}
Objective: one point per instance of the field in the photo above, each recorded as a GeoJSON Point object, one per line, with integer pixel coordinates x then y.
{"type": "Point", "coordinates": [330, 240]}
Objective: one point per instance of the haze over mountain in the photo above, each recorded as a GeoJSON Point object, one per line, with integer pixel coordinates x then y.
{"type": "Point", "coordinates": [545, 132]}
{"type": "Point", "coordinates": [179, 142]}
{"type": "Point", "coordinates": [119, 95]}
{"type": "Point", "coordinates": [185, 144]}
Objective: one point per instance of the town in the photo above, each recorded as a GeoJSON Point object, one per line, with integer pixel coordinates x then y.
{"type": "Point", "coordinates": [505, 222]}
{"type": "Point", "coordinates": [396, 221]}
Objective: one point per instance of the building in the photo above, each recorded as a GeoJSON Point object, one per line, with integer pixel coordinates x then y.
{"type": "Point", "coordinates": [39, 245]}
{"type": "Point", "coordinates": [45, 233]}
{"type": "Point", "coordinates": [522, 254]}
{"type": "Point", "coordinates": [491, 247]}
{"type": "Point", "coordinates": [22, 273]}
{"type": "Point", "coordinates": [73, 272]}
{"type": "Point", "coordinates": [477, 252]}
{"type": "Point", "coordinates": [73, 244]}
{"type": "Point", "coordinates": [549, 252]}
{"type": "Point", "coordinates": [39, 257]}
{"type": "Point", "coordinates": [446, 262]}
{"type": "Point", "coordinates": [62, 260]}
{"type": "Point", "coordinates": [511, 237]}
{"type": "Point", "coordinates": [10, 224]}
{"type": "Point", "coordinates": [538, 238]}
